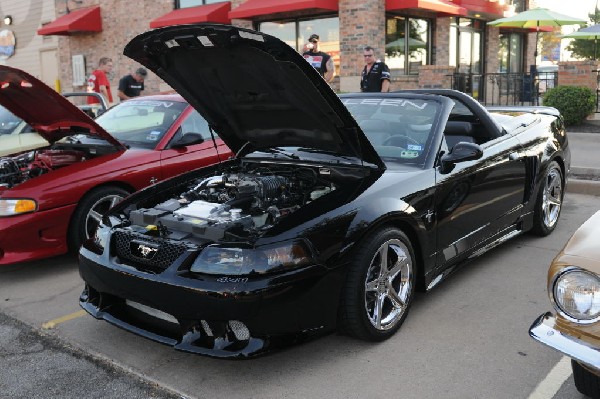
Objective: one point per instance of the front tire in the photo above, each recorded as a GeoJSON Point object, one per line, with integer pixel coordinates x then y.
{"type": "Point", "coordinates": [89, 212]}
{"type": "Point", "coordinates": [379, 287]}
{"type": "Point", "coordinates": [549, 201]}
{"type": "Point", "coordinates": [586, 382]}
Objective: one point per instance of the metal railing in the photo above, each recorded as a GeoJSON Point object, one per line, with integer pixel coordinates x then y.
{"type": "Point", "coordinates": [505, 88]}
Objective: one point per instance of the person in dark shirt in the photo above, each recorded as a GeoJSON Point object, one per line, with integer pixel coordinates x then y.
{"type": "Point", "coordinates": [318, 59]}
{"type": "Point", "coordinates": [375, 76]}
{"type": "Point", "coordinates": [132, 84]}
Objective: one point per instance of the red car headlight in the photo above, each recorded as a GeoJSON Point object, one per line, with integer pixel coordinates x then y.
{"type": "Point", "coordinates": [12, 207]}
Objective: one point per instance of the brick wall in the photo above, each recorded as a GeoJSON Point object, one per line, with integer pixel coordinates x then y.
{"type": "Point", "coordinates": [362, 23]}
{"type": "Point", "coordinates": [578, 73]}
{"type": "Point", "coordinates": [441, 41]}
{"type": "Point", "coordinates": [435, 76]}
{"type": "Point", "coordinates": [121, 22]}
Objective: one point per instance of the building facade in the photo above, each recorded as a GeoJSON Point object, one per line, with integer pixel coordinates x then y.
{"type": "Point", "coordinates": [21, 46]}
{"type": "Point", "coordinates": [426, 43]}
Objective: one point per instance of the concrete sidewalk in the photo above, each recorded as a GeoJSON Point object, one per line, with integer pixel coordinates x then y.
{"type": "Point", "coordinates": [584, 177]}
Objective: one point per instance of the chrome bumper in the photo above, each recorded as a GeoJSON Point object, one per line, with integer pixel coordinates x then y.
{"type": "Point", "coordinates": [543, 330]}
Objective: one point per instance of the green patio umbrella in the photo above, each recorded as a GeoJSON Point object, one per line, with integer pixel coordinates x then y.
{"type": "Point", "coordinates": [589, 33]}
{"type": "Point", "coordinates": [535, 18]}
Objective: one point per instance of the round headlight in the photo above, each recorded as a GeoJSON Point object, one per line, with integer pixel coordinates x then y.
{"type": "Point", "coordinates": [577, 295]}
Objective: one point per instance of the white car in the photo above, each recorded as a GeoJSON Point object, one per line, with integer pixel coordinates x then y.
{"type": "Point", "coordinates": [17, 136]}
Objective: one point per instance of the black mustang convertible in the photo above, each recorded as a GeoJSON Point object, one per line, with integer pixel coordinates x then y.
{"type": "Point", "coordinates": [332, 213]}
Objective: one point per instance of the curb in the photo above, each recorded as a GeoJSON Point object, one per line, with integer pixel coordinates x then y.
{"type": "Point", "coordinates": [579, 186]}
{"type": "Point", "coordinates": [584, 181]}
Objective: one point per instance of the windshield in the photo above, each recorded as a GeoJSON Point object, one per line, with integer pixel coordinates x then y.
{"type": "Point", "coordinates": [400, 130]}
{"type": "Point", "coordinates": [141, 123]}
{"type": "Point", "coordinates": [8, 121]}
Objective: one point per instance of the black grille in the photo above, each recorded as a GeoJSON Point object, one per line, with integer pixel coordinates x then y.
{"type": "Point", "coordinates": [159, 254]}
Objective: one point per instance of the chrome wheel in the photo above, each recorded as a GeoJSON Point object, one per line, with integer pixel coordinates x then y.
{"type": "Point", "coordinates": [98, 209]}
{"type": "Point", "coordinates": [388, 285]}
{"type": "Point", "coordinates": [552, 197]}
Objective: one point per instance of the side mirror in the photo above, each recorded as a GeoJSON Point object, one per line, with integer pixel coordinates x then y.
{"type": "Point", "coordinates": [187, 140]}
{"type": "Point", "coordinates": [461, 152]}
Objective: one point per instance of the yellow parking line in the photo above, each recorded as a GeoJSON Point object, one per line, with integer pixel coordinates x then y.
{"type": "Point", "coordinates": [53, 323]}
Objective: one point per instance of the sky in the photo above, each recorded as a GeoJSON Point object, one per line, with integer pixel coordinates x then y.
{"type": "Point", "coordinates": [572, 8]}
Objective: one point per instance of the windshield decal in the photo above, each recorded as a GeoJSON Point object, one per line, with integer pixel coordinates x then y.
{"type": "Point", "coordinates": [384, 102]}
{"type": "Point", "coordinates": [148, 103]}
{"type": "Point", "coordinates": [409, 154]}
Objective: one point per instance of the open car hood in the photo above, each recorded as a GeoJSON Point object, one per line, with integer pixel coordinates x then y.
{"type": "Point", "coordinates": [256, 91]}
{"type": "Point", "coordinates": [49, 113]}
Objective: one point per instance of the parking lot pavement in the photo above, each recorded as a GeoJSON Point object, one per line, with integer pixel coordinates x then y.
{"type": "Point", "coordinates": [465, 339]}
{"type": "Point", "coordinates": [585, 166]}
{"type": "Point", "coordinates": [37, 366]}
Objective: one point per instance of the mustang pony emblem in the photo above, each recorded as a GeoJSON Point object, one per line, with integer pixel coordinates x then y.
{"type": "Point", "coordinates": [144, 250]}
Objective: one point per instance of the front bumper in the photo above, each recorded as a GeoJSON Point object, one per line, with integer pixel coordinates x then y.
{"type": "Point", "coordinates": [34, 235]}
{"type": "Point", "coordinates": [211, 315]}
{"type": "Point", "coordinates": [544, 329]}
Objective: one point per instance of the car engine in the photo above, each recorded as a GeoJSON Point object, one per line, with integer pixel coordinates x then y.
{"type": "Point", "coordinates": [234, 204]}
{"type": "Point", "coordinates": [18, 169]}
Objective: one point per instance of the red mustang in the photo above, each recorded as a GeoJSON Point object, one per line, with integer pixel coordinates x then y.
{"type": "Point", "coordinates": [51, 198]}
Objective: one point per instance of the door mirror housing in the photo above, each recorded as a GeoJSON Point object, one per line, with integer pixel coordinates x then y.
{"type": "Point", "coordinates": [461, 152]}
{"type": "Point", "coordinates": [187, 140]}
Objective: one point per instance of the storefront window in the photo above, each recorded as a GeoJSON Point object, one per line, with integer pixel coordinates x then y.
{"type": "Point", "coordinates": [296, 33]}
{"type": "Point", "coordinates": [510, 53]}
{"type": "Point", "coordinates": [402, 55]}
{"type": "Point", "coordinates": [194, 3]}
{"type": "Point", "coordinates": [465, 45]}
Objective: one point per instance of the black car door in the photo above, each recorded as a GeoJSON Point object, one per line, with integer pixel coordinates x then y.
{"type": "Point", "coordinates": [479, 199]}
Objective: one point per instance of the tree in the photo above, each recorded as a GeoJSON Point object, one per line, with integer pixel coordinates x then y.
{"type": "Point", "coordinates": [549, 42]}
{"type": "Point", "coordinates": [584, 48]}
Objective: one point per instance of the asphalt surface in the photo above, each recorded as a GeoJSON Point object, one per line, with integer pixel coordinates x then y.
{"type": "Point", "coordinates": [34, 365]}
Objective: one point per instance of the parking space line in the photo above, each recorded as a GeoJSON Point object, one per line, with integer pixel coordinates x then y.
{"type": "Point", "coordinates": [553, 381]}
{"type": "Point", "coordinates": [53, 323]}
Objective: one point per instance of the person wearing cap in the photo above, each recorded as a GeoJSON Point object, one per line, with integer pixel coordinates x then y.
{"type": "Point", "coordinates": [132, 84]}
{"type": "Point", "coordinates": [318, 59]}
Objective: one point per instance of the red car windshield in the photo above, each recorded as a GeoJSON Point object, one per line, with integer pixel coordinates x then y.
{"type": "Point", "coordinates": [141, 123]}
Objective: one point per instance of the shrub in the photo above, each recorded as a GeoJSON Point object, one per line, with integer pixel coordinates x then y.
{"type": "Point", "coordinates": [575, 103]}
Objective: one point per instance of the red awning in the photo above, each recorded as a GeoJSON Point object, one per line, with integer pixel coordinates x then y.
{"type": "Point", "coordinates": [77, 21]}
{"type": "Point", "coordinates": [488, 8]}
{"type": "Point", "coordinates": [216, 12]}
{"type": "Point", "coordinates": [257, 8]}
{"type": "Point", "coordinates": [439, 6]}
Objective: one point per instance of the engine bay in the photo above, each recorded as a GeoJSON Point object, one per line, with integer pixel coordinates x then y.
{"type": "Point", "coordinates": [235, 204]}
{"type": "Point", "coordinates": [20, 168]}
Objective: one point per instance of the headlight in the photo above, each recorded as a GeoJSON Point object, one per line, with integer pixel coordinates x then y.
{"type": "Point", "coordinates": [237, 261]}
{"type": "Point", "coordinates": [11, 207]}
{"type": "Point", "coordinates": [577, 295]}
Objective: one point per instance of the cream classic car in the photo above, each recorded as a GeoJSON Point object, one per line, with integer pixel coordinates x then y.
{"type": "Point", "coordinates": [574, 289]}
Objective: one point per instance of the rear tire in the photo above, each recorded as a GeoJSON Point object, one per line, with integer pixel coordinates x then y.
{"type": "Point", "coordinates": [379, 288]}
{"type": "Point", "coordinates": [549, 201]}
{"type": "Point", "coordinates": [586, 382]}
{"type": "Point", "coordinates": [89, 212]}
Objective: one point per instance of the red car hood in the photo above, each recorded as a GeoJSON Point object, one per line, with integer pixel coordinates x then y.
{"type": "Point", "coordinates": [49, 113]}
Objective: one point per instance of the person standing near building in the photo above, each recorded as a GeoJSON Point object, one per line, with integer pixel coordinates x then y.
{"type": "Point", "coordinates": [318, 59]}
{"type": "Point", "coordinates": [375, 75]}
{"type": "Point", "coordinates": [98, 81]}
{"type": "Point", "coordinates": [132, 84]}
